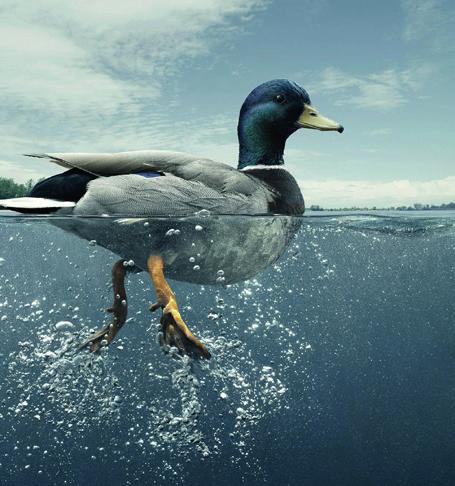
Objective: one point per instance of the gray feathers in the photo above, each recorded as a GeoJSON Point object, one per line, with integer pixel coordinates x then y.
{"type": "Point", "coordinates": [189, 184]}
{"type": "Point", "coordinates": [169, 195]}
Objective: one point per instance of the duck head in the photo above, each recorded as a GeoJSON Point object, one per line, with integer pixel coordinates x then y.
{"type": "Point", "coordinates": [270, 114]}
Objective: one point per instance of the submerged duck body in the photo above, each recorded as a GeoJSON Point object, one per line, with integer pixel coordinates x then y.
{"type": "Point", "coordinates": [194, 249]}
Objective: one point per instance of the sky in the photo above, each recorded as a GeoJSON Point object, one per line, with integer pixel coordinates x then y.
{"type": "Point", "coordinates": [110, 75]}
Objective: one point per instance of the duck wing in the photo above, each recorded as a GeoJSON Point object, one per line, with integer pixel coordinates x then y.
{"type": "Point", "coordinates": [215, 175]}
{"type": "Point", "coordinates": [190, 184]}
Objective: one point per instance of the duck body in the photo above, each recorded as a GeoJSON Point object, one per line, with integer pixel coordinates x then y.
{"type": "Point", "coordinates": [228, 248]}
{"type": "Point", "coordinates": [120, 199]}
{"type": "Point", "coordinates": [154, 183]}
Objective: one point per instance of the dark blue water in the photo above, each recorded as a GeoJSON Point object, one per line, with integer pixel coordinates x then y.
{"type": "Point", "coordinates": [335, 365]}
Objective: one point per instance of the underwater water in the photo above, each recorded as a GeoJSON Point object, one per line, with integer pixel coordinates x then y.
{"type": "Point", "coordinates": [334, 364]}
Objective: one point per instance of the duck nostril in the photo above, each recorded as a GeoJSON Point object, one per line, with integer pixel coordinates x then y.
{"type": "Point", "coordinates": [313, 114]}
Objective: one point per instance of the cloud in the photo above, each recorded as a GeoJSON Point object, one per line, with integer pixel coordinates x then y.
{"type": "Point", "coordinates": [422, 17]}
{"type": "Point", "coordinates": [92, 75]}
{"type": "Point", "coordinates": [431, 23]}
{"type": "Point", "coordinates": [384, 90]}
{"type": "Point", "coordinates": [49, 73]}
{"type": "Point", "coordinates": [364, 193]}
{"type": "Point", "coordinates": [142, 37]}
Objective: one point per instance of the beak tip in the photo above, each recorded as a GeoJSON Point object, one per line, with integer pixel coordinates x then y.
{"type": "Point", "coordinates": [340, 129]}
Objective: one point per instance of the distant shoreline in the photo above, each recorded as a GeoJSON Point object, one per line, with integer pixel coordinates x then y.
{"type": "Point", "coordinates": [415, 207]}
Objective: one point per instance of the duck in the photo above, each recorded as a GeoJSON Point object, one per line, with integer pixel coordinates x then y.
{"type": "Point", "coordinates": [136, 188]}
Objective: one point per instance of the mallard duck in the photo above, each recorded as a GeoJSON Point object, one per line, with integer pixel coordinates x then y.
{"type": "Point", "coordinates": [151, 183]}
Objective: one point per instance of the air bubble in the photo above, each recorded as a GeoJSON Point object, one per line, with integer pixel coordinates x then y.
{"type": "Point", "coordinates": [64, 325]}
{"type": "Point", "coordinates": [203, 213]}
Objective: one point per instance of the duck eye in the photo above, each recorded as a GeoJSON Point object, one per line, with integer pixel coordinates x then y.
{"type": "Point", "coordinates": [280, 99]}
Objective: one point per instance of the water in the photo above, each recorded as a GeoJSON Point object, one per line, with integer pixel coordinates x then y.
{"type": "Point", "coordinates": [332, 365]}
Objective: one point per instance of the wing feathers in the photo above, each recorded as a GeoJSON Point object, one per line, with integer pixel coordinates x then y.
{"type": "Point", "coordinates": [224, 188]}
{"type": "Point", "coordinates": [132, 194]}
{"type": "Point", "coordinates": [216, 175]}
{"type": "Point", "coordinates": [119, 163]}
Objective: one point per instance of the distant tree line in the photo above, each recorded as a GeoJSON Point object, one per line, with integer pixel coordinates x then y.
{"type": "Point", "coordinates": [415, 207]}
{"type": "Point", "coordinates": [423, 207]}
{"type": "Point", "coordinates": [9, 188]}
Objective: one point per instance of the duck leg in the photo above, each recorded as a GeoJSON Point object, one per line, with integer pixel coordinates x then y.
{"type": "Point", "coordinates": [119, 310]}
{"type": "Point", "coordinates": [175, 331]}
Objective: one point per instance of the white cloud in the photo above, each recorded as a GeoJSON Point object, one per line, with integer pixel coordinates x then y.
{"type": "Point", "coordinates": [385, 90]}
{"type": "Point", "coordinates": [350, 193]}
{"type": "Point", "coordinates": [430, 22]}
{"type": "Point", "coordinates": [139, 35]}
{"type": "Point", "coordinates": [48, 72]}
{"type": "Point", "coordinates": [421, 17]}
{"type": "Point", "coordinates": [89, 74]}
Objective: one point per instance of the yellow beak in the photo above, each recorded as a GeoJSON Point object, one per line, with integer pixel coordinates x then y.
{"type": "Point", "coordinates": [311, 118]}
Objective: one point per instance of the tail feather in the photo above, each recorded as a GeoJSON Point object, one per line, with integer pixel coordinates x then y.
{"type": "Point", "coordinates": [36, 205]}
{"type": "Point", "coordinates": [38, 156]}
{"type": "Point", "coordinates": [50, 157]}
